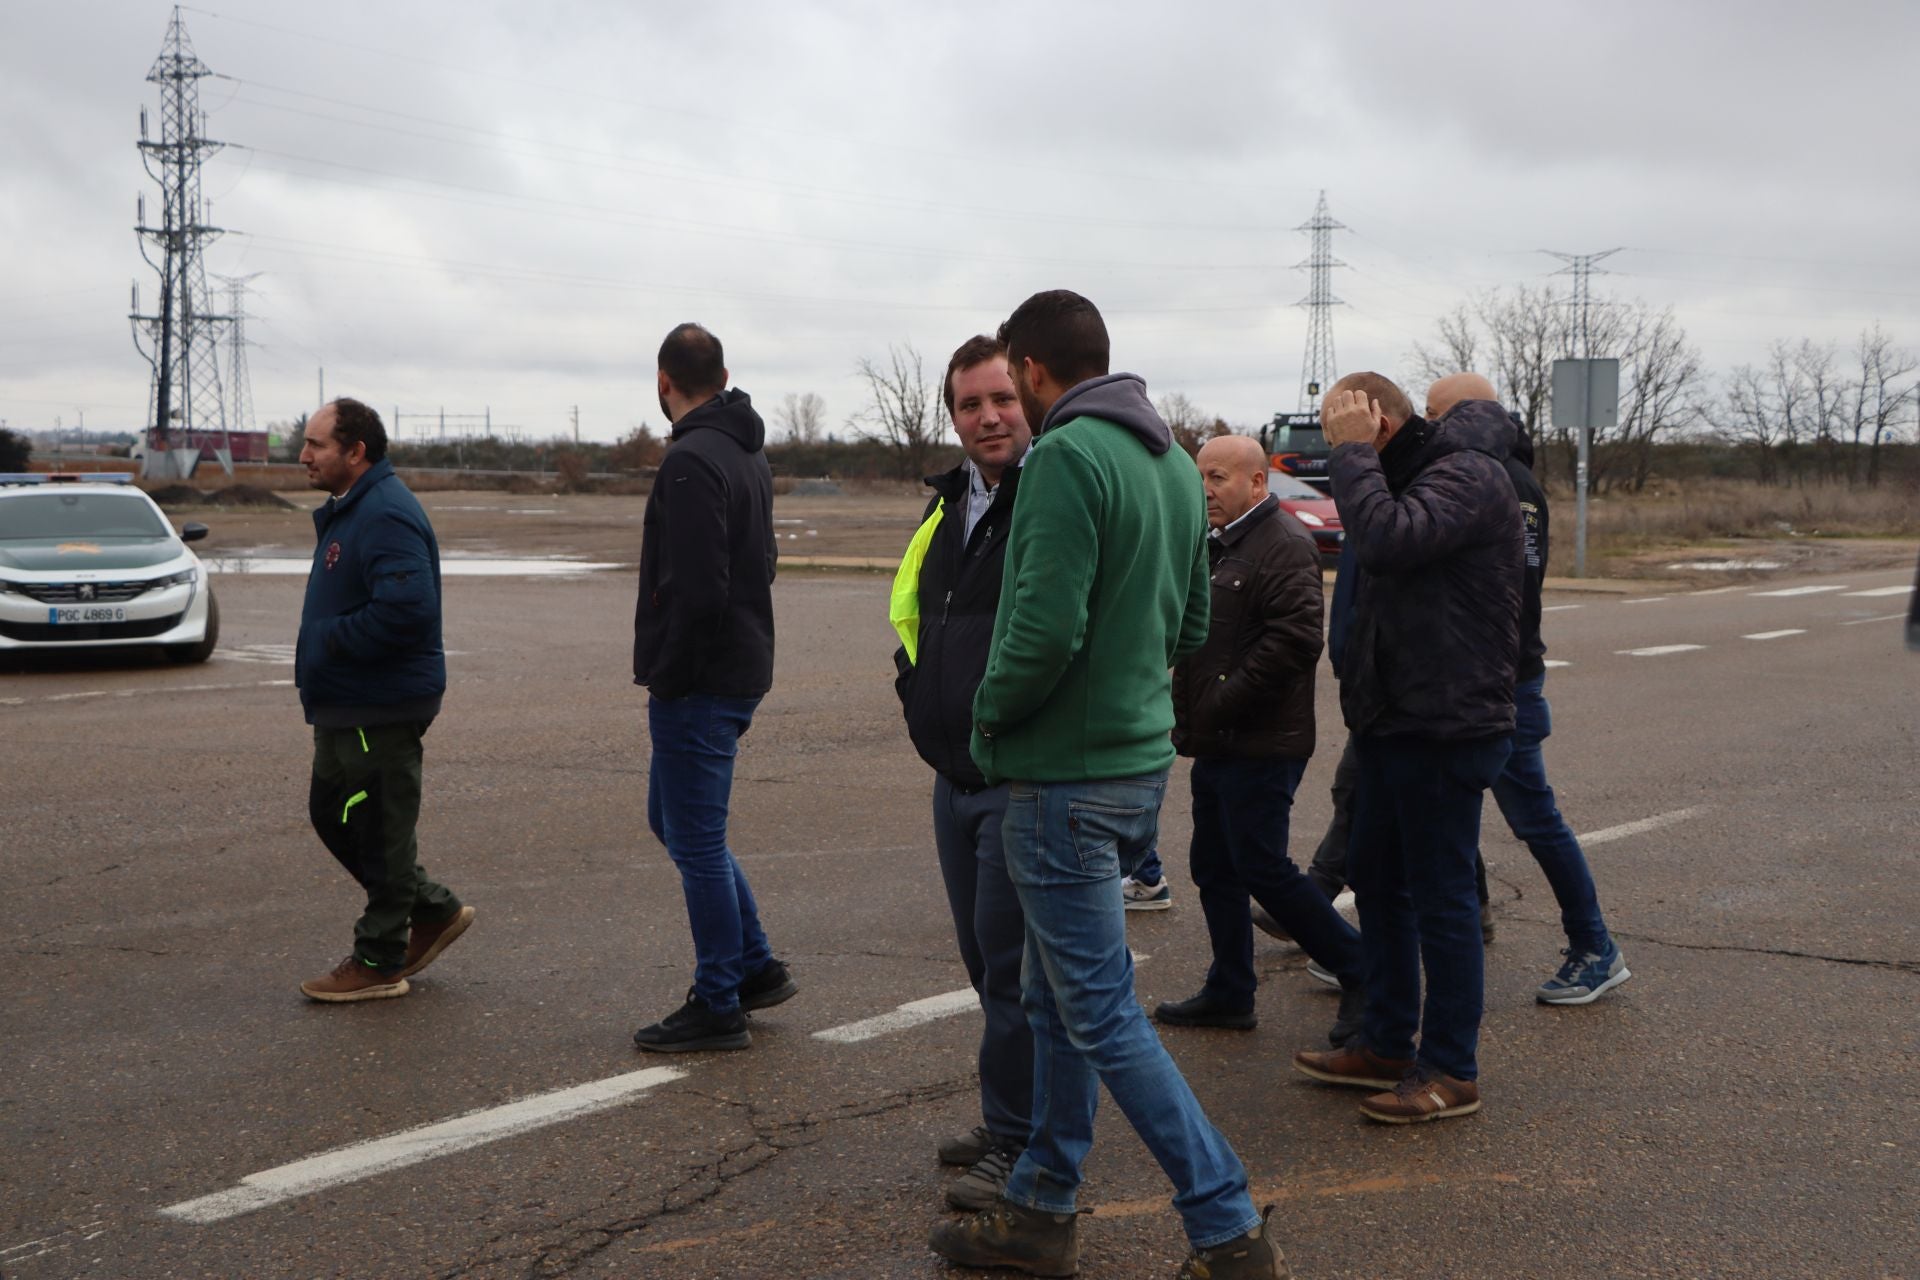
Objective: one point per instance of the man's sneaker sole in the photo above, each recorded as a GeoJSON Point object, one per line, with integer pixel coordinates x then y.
{"type": "Point", "coordinates": [1359, 1082]}
{"type": "Point", "coordinates": [1576, 996]}
{"type": "Point", "coordinates": [1149, 904]}
{"type": "Point", "coordinates": [386, 991]}
{"type": "Point", "coordinates": [1323, 975]}
{"type": "Point", "coordinates": [1445, 1113]}
{"type": "Point", "coordinates": [733, 1040]}
{"type": "Point", "coordinates": [459, 925]}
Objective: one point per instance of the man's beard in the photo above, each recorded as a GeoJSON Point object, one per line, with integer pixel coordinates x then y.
{"type": "Point", "coordinates": [1030, 405]}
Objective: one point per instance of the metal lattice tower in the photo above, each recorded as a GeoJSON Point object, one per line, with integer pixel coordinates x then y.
{"type": "Point", "coordinates": [239, 385]}
{"type": "Point", "coordinates": [181, 338]}
{"type": "Point", "coordinates": [1580, 267]}
{"type": "Point", "coordinates": [1317, 366]}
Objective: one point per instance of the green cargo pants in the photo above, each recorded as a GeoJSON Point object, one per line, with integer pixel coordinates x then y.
{"type": "Point", "coordinates": [364, 802]}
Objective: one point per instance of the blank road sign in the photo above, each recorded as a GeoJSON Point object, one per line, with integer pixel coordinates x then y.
{"type": "Point", "coordinates": [1586, 393]}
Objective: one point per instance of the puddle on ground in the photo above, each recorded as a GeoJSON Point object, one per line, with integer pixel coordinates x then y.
{"type": "Point", "coordinates": [451, 566]}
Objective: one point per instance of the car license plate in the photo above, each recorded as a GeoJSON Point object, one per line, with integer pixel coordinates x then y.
{"type": "Point", "coordinates": [82, 614]}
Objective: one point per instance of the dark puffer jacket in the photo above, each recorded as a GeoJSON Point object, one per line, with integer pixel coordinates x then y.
{"type": "Point", "coordinates": [1533, 518]}
{"type": "Point", "coordinates": [1249, 690]}
{"type": "Point", "coordinates": [1436, 532]}
{"type": "Point", "coordinates": [959, 595]}
{"type": "Point", "coordinates": [704, 620]}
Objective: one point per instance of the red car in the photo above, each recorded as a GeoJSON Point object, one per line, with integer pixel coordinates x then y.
{"type": "Point", "coordinates": [1312, 508]}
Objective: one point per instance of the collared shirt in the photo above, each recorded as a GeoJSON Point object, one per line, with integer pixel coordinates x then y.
{"type": "Point", "coordinates": [980, 495]}
{"type": "Point", "coordinates": [1230, 532]}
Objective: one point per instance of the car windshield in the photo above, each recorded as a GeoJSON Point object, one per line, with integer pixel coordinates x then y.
{"type": "Point", "coordinates": [79, 515]}
{"type": "Point", "coordinates": [1282, 485]}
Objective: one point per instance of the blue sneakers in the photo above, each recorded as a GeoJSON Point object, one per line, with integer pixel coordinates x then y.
{"type": "Point", "coordinates": [1585, 978]}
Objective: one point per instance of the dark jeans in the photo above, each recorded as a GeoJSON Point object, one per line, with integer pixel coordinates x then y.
{"type": "Point", "coordinates": [1416, 831]}
{"type": "Point", "coordinates": [1329, 869]}
{"type": "Point", "coordinates": [689, 785]}
{"type": "Point", "coordinates": [992, 933]}
{"type": "Point", "coordinates": [364, 802]}
{"type": "Point", "coordinates": [1240, 823]}
{"type": "Point", "coordinates": [1067, 845]}
{"type": "Point", "coordinates": [1150, 871]}
{"type": "Point", "coordinates": [1526, 802]}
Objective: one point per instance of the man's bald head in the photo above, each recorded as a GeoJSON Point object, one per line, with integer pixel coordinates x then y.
{"type": "Point", "coordinates": [1455, 387]}
{"type": "Point", "coordinates": [1234, 471]}
{"type": "Point", "coordinates": [1382, 390]}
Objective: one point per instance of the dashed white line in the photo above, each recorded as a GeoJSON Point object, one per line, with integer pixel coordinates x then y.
{"type": "Point", "coordinates": [411, 1146]}
{"type": "Point", "coordinates": [151, 689]}
{"type": "Point", "coordinates": [1625, 829]}
{"type": "Point", "coordinates": [1800, 591]}
{"type": "Point", "coordinates": [1885, 617]}
{"type": "Point", "coordinates": [1776, 635]}
{"type": "Point", "coordinates": [1715, 591]}
{"type": "Point", "coordinates": [1883, 591]}
{"type": "Point", "coordinates": [1658, 650]}
{"type": "Point", "coordinates": [1556, 662]}
{"type": "Point", "coordinates": [1647, 600]}
{"type": "Point", "coordinates": [910, 1014]}
{"type": "Point", "coordinates": [1556, 608]}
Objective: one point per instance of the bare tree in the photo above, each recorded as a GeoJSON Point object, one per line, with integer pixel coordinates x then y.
{"type": "Point", "coordinates": [1826, 397]}
{"type": "Point", "coordinates": [1455, 349]}
{"type": "Point", "coordinates": [1878, 402]}
{"type": "Point", "coordinates": [1751, 419]}
{"type": "Point", "coordinates": [801, 418]}
{"type": "Point", "coordinates": [1191, 426]}
{"type": "Point", "coordinates": [1512, 337]}
{"type": "Point", "coordinates": [902, 409]}
{"type": "Point", "coordinates": [1660, 393]}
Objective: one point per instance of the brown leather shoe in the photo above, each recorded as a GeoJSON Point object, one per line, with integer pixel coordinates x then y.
{"type": "Point", "coordinates": [1423, 1095]}
{"type": "Point", "coordinates": [427, 941]}
{"type": "Point", "coordinates": [1356, 1065]}
{"type": "Point", "coordinates": [353, 979]}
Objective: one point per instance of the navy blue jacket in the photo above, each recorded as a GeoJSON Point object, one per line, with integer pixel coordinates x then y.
{"type": "Point", "coordinates": [369, 649]}
{"type": "Point", "coordinates": [1340, 611]}
{"type": "Point", "coordinates": [1432, 644]}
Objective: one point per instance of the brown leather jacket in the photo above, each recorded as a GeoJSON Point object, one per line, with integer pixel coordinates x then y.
{"type": "Point", "coordinates": [1249, 690]}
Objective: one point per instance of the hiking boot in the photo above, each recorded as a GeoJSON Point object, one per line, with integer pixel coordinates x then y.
{"type": "Point", "coordinates": [1585, 978]}
{"type": "Point", "coordinates": [772, 985]}
{"type": "Point", "coordinates": [425, 942]}
{"type": "Point", "coordinates": [1425, 1094]}
{"type": "Point", "coordinates": [1253, 1256]}
{"type": "Point", "coordinates": [966, 1149]}
{"type": "Point", "coordinates": [1263, 921]}
{"type": "Point", "coordinates": [1204, 1010]}
{"type": "Point", "coordinates": [980, 1187]}
{"type": "Point", "coordinates": [1009, 1235]}
{"type": "Point", "coordinates": [1320, 973]}
{"type": "Point", "coordinates": [1355, 1065]}
{"type": "Point", "coordinates": [355, 979]}
{"type": "Point", "coordinates": [1353, 1011]}
{"type": "Point", "coordinates": [1138, 895]}
{"type": "Point", "coordinates": [695, 1026]}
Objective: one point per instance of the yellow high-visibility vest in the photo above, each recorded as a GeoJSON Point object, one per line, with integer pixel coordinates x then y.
{"type": "Point", "coordinates": [903, 608]}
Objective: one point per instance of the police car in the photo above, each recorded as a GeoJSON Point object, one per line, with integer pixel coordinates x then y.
{"type": "Point", "coordinates": [90, 562]}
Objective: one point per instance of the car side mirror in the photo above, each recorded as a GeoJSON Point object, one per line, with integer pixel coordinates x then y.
{"type": "Point", "coordinates": [192, 531]}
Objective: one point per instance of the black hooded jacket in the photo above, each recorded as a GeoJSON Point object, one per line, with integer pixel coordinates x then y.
{"type": "Point", "coordinates": [704, 621]}
{"type": "Point", "coordinates": [959, 596]}
{"type": "Point", "coordinates": [1436, 533]}
{"type": "Point", "coordinates": [1533, 519]}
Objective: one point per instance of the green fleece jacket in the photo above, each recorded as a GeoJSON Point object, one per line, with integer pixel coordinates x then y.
{"type": "Point", "coordinates": [1105, 588]}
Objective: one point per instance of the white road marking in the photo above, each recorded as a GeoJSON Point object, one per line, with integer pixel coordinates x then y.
{"type": "Point", "coordinates": [1885, 617]}
{"type": "Point", "coordinates": [411, 1146]}
{"type": "Point", "coordinates": [1884, 591]}
{"type": "Point", "coordinates": [1647, 600]}
{"type": "Point", "coordinates": [1775, 635]}
{"type": "Point", "coordinates": [910, 1014]}
{"type": "Point", "coordinates": [1658, 650]}
{"type": "Point", "coordinates": [150, 689]}
{"type": "Point", "coordinates": [1800, 591]}
{"type": "Point", "coordinates": [1715, 591]}
{"type": "Point", "coordinates": [1555, 662]}
{"type": "Point", "coordinates": [1625, 829]}
{"type": "Point", "coordinates": [1555, 608]}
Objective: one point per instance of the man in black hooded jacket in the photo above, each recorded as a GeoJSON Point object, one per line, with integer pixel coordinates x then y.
{"type": "Point", "coordinates": [703, 647]}
{"type": "Point", "coordinates": [1427, 692]}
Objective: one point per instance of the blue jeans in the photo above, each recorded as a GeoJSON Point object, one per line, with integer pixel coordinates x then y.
{"type": "Point", "coordinates": [689, 785]}
{"type": "Point", "coordinates": [1526, 802]}
{"type": "Point", "coordinates": [1150, 871]}
{"type": "Point", "coordinates": [1067, 844]}
{"type": "Point", "coordinates": [1416, 837]}
{"type": "Point", "coordinates": [1241, 809]}
{"type": "Point", "coordinates": [993, 938]}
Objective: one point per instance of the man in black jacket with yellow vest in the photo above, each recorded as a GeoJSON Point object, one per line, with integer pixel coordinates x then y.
{"type": "Point", "coordinates": [944, 600]}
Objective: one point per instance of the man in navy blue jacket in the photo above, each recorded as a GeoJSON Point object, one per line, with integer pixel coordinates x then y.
{"type": "Point", "coordinates": [371, 672]}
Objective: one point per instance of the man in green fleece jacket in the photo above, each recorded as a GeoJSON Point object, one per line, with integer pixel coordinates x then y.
{"type": "Point", "coordinates": [1106, 587]}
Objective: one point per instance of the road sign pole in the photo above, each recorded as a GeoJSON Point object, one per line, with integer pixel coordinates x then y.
{"type": "Point", "coordinates": [1580, 503]}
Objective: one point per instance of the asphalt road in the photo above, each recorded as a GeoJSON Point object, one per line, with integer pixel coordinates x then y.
{"type": "Point", "coordinates": [1744, 1106]}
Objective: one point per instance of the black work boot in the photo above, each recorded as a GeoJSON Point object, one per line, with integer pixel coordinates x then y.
{"type": "Point", "coordinates": [1253, 1256]}
{"type": "Point", "coordinates": [693, 1026]}
{"type": "Point", "coordinates": [1008, 1235]}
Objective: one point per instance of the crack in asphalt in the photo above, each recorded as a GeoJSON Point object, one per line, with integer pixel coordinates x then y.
{"type": "Point", "coordinates": [581, 1239]}
{"type": "Point", "coordinates": [1862, 962]}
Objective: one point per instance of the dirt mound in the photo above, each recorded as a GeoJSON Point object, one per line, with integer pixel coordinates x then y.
{"type": "Point", "coordinates": [246, 495]}
{"type": "Point", "coordinates": [175, 495]}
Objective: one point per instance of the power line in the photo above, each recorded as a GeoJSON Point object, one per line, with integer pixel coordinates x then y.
{"type": "Point", "coordinates": [1317, 368]}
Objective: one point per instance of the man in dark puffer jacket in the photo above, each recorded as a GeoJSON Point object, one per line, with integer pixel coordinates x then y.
{"type": "Point", "coordinates": [1427, 691]}
{"type": "Point", "coordinates": [945, 597]}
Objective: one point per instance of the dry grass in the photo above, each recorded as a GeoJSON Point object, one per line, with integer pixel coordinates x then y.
{"type": "Point", "coordinates": [1678, 513]}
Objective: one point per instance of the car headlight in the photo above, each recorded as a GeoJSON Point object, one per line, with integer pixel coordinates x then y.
{"type": "Point", "coordinates": [1309, 519]}
{"type": "Point", "coordinates": [184, 578]}
{"type": "Point", "coordinates": [16, 588]}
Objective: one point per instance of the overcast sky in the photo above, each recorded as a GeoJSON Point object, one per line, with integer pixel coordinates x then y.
{"type": "Point", "coordinates": [483, 205]}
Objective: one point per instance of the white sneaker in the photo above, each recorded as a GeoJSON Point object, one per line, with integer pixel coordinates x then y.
{"type": "Point", "coordinates": [1140, 896]}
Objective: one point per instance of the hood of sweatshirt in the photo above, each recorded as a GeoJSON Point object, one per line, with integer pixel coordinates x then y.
{"type": "Point", "coordinates": [1480, 425]}
{"type": "Point", "coordinates": [1522, 442]}
{"type": "Point", "coordinates": [731, 412]}
{"type": "Point", "coordinates": [1119, 398]}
